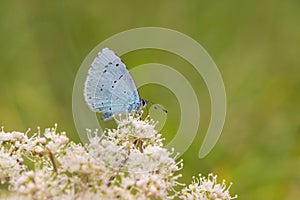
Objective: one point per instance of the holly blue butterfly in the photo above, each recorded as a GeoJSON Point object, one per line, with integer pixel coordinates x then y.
{"type": "Point", "coordinates": [109, 87]}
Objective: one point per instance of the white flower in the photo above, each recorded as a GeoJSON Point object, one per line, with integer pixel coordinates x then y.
{"type": "Point", "coordinates": [17, 135]}
{"type": "Point", "coordinates": [4, 136]}
{"type": "Point", "coordinates": [41, 140]}
{"type": "Point", "coordinates": [203, 188]}
{"type": "Point", "coordinates": [9, 164]}
{"type": "Point", "coordinates": [74, 158]}
{"type": "Point", "coordinates": [39, 150]}
{"type": "Point", "coordinates": [128, 162]}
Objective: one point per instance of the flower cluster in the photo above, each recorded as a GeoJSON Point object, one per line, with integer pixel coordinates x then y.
{"type": "Point", "coordinates": [206, 188]}
{"type": "Point", "coordinates": [129, 162]}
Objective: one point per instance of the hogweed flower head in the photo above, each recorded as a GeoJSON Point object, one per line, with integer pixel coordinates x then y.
{"type": "Point", "coordinates": [203, 188]}
{"type": "Point", "coordinates": [128, 162]}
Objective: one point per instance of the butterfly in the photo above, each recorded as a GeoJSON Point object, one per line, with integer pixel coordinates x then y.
{"type": "Point", "coordinates": [109, 87]}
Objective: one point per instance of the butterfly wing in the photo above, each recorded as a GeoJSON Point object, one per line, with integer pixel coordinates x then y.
{"type": "Point", "coordinates": [109, 88]}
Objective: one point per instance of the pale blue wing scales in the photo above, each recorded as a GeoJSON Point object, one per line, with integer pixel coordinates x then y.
{"type": "Point", "coordinates": [109, 87]}
{"type": "Point", "coordinates": [125, 87]}
{"type": "Point", "coordinates": [119, 89]}
{"type": "Point", "coordinates": [101, 64]}
{"type": "Point", "coordinates": [115, 84]}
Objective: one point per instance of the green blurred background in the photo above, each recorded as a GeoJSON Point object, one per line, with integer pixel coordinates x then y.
{"type": "Point", "coordinates": [254, 43]}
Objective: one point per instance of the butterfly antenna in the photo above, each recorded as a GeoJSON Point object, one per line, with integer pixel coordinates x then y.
{"type": "Point", "coordinates": [157, 106]}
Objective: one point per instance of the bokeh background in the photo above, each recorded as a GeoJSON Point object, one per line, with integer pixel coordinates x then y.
{"type": "Point", "coordinates": [254, 43]}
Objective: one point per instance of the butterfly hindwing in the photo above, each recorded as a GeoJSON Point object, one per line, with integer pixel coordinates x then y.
{"type": "Point", "coordinates": [109, 87]}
